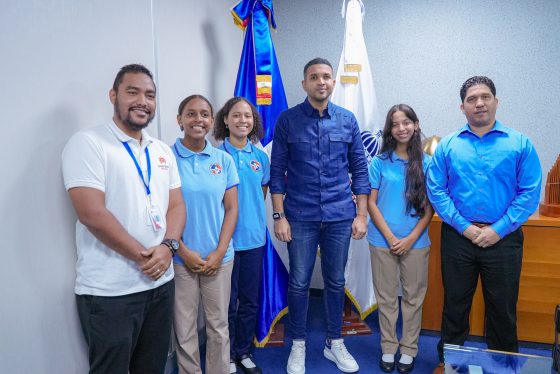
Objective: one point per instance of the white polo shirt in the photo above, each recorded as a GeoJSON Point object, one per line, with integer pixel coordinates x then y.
{"type": "Point", "coordinates": [96, 158]}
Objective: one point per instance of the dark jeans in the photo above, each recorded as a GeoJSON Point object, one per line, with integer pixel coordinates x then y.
{"type": "Point", "coordinates": [245, 283]}
{"type": "Point", "coordinates": [499, 267]}
{"type": "Point", "coordinates": [129, 333]}
{"type": "Point", "coordinates": [334, 239]}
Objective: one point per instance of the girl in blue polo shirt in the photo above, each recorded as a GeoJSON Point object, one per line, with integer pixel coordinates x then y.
{"type": "Point", "coordinates": [398, 235]}
{"type": "Point", "coordinates": [238, 124]}
{"type": "Point", "coordinates": [203, 263]}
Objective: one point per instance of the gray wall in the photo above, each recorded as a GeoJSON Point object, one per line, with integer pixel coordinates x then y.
{"type": "Point", "coordinates": [59, 59]}
{"type": "Point", "coordinates": [421, 51]}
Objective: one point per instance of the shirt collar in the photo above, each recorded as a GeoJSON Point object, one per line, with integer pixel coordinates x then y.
{"type": "Point", "coordinates": [309, 110]}
{"type": "Point", "coordinates": [123, 137]}
{"type": "Point", "coordinates": [498, 126]}
{"type": "Point", "coordinates": [184, 152]}
{"type": "Point", "coordinates": [229, 148]}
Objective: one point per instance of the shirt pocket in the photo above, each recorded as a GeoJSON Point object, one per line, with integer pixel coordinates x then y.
{"type": "Point", "coordinates": [299, 147]}
{"type": "Point", "coordinates": [338, 145]}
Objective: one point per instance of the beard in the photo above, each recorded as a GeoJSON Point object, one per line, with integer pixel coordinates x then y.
{"type": "Point", "coordinates": [127, 120]}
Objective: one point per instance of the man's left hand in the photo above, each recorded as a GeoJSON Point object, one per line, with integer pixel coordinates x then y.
{"type": "Point", "coordinates": [159, 261]}
{"type": "Point", "coordinates": [487, 237]}
{"type": "Point", "coordinates": [359, 227]}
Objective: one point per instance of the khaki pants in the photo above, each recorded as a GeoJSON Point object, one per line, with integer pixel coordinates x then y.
{"type": "Point", "coordinates": [215, 292]}
{"type": "Point", "coordinates": [413, 269]}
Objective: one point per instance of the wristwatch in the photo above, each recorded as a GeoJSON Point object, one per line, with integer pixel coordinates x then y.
{"type": "Point", "coordinates": [278, 215]}
{"type": "Point", "coordinates": [172, 244]}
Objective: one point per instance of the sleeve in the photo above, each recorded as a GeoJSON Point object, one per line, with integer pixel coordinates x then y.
{"type": "Point", "coordinates": [266, 169]}
{"type": "Point", "coordinates": [436, 185]}
{"type": "Point", "coordinates": [231, 172]}
{"type": "Point", "coordinates": [279, 157]}
{"type": "Point", "coordinates": [374, 172]}
{"type": "Point", "coordinates": [83, 163]}
{"type": "Point", "coordinates": [357, 163]}
{"type": "Point", "coordinates": [526, 201]}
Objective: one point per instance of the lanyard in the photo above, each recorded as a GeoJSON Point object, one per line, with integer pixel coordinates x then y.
{"type": "Point", "coordinates": [125, 144]}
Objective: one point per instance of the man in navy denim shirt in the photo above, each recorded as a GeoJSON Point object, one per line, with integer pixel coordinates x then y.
{"type": "Point", "coordinates": [316, 145]}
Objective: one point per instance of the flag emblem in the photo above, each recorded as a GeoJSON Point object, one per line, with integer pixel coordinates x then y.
{"type": "Point", "coordinates": [216, 169]}
{"type": "Point", "coordinates": [255, 165]}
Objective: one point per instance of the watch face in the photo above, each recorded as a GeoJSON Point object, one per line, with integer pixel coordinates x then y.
{"type": "Point", "coordinates": [174, 244]}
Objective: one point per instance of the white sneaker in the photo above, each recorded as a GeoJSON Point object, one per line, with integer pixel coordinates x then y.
{"type": "Point", "coordinates": [341, 357]}
{"type": "Point", "coordinates": [296, 361]}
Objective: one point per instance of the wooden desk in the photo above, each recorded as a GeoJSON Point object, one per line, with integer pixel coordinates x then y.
{"type": "Point", "coordinates": [539, 289]}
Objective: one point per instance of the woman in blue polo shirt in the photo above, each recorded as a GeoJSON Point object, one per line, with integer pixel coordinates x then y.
{"type": "Point", "coordinates": [203, 263]}
{"type": "Point", "coordinates": [398, 235]}
{"type": "Point", "coordinates": [238, 124]}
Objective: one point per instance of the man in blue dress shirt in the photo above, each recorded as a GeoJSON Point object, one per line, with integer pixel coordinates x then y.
{"type": "Point", "coordinates": [484, 182]}
{"type": "Point", "coordinates": [316, 145]}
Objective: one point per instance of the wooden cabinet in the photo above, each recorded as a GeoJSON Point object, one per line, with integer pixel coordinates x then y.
{"type": "Point", "coordinates": [539, 290]}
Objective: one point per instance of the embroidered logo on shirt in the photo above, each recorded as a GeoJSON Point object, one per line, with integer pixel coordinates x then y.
{"type": "Point", "coordinates": [162, 163]}
{"type": "Point", "coordinates": [255, 165]}
{"type": "Point", "coordinates": [216, 169]}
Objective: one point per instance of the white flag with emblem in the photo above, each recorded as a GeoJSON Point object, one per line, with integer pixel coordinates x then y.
{"type": "Point", "coordinates": [355, 91]}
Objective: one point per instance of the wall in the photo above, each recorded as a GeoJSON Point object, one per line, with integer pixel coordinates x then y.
{"type": "Point", "coordinates": [422, 51]}
{"type": "Point", "coordinates": [59, 59]}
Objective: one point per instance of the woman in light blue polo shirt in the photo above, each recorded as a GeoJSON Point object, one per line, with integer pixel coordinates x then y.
{"type": "Point", "coordinates": [203, 263]}
{"type": "Point", "coordinates": [398, 235]}
{"type": "Point", "coordinates": [239, 125]}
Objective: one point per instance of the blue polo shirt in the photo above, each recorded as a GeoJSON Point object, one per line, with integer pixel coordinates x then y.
{"type": "Point", "coordinates": [387, 174]}
{"type": "Point", "coordinates": [253, 169]}
{"type": "Point", "coordinates": [312, 156]}
{"type": "Point", "coordinates": [494, 179]}
{"type": "Point", "coordinates": [205, 177]}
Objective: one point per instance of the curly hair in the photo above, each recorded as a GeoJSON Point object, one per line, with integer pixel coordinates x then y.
{"type": "Point", "coordinates": [220, 129]}
{"type": "Point", "coordinates": [473, 81]}
{"type": "Point", "coordinates": [415, 192]}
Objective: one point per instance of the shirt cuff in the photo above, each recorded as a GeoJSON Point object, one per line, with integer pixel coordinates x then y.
{"type": "Point", "coordinates": [502, 226]}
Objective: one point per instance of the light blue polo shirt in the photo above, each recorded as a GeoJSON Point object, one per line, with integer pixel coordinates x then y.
{"type": "Point", "coordinates": [388, 175]}
{"type": "Point", "coordinates": [205, 177]}
{"type": "Point", "coordinates": [253, 168]}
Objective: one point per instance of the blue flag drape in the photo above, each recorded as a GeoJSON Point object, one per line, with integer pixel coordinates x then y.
{"type": "Point", "coordinates": [259, 81]}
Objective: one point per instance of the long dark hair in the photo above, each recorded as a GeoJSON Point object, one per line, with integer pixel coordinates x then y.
{"type": "Point", "coordinates": [220, 129]}
{"type": "Point", "coordinates": [415, 192]}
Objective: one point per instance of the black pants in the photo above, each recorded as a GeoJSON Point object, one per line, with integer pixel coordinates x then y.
{"type": "Point", "coordinates": [246, 279]}
{"type": "Point", "coordinates": [499, 267]}
{"type": "Point", "coordinates": [129, 333]}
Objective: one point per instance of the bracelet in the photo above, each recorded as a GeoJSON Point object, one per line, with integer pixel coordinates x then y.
{"type": "Point", "coordinates": [360, 214]}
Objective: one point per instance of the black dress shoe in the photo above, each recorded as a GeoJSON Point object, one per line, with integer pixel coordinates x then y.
{"type": "Point", "coordinates": [386, 366]}
{"type": "Point", "coordinates": [248, 370]}
{"type": "Point", "coordinates": [405, 368]}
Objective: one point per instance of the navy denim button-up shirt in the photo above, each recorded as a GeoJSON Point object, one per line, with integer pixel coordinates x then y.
{"type": "Point", "coordinates": [318, 153]}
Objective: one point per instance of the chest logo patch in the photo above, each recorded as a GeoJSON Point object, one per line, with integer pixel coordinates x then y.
{"type": "Point", "coordinates": [162, 163]}
{"type": "Point", "coordinates": [216, 169]}
{"type": "Point", "coordinates": [255, 165]}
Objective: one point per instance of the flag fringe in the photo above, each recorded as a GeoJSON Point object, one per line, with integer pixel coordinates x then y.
{"type": "Point", "coordinates": [363, 314]}
{"type": "Point", "coordinates": [263, 342]}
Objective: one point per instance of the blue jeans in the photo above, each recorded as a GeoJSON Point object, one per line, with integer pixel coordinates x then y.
{"type": "Point", "coordinates": [333, 239]}
{"type": "Point", "coordinates": [246, 280]}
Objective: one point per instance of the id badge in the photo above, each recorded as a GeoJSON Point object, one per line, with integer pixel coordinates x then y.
{"type": "Point", "coordinates": [156, 218]}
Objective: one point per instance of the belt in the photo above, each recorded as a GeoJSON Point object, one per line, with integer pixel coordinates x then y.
{"type": "Point", "coordinates": [480, 224]}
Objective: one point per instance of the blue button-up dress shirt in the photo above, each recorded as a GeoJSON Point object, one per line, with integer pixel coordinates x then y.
{"type": "Point", "coordinates": [312, 157]}
{"type": "Point", "coordinates": [493, 179]}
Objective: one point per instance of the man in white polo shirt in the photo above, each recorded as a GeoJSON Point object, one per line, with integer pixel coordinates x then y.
{"type": "Point", "coordinates": [125, 188]}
